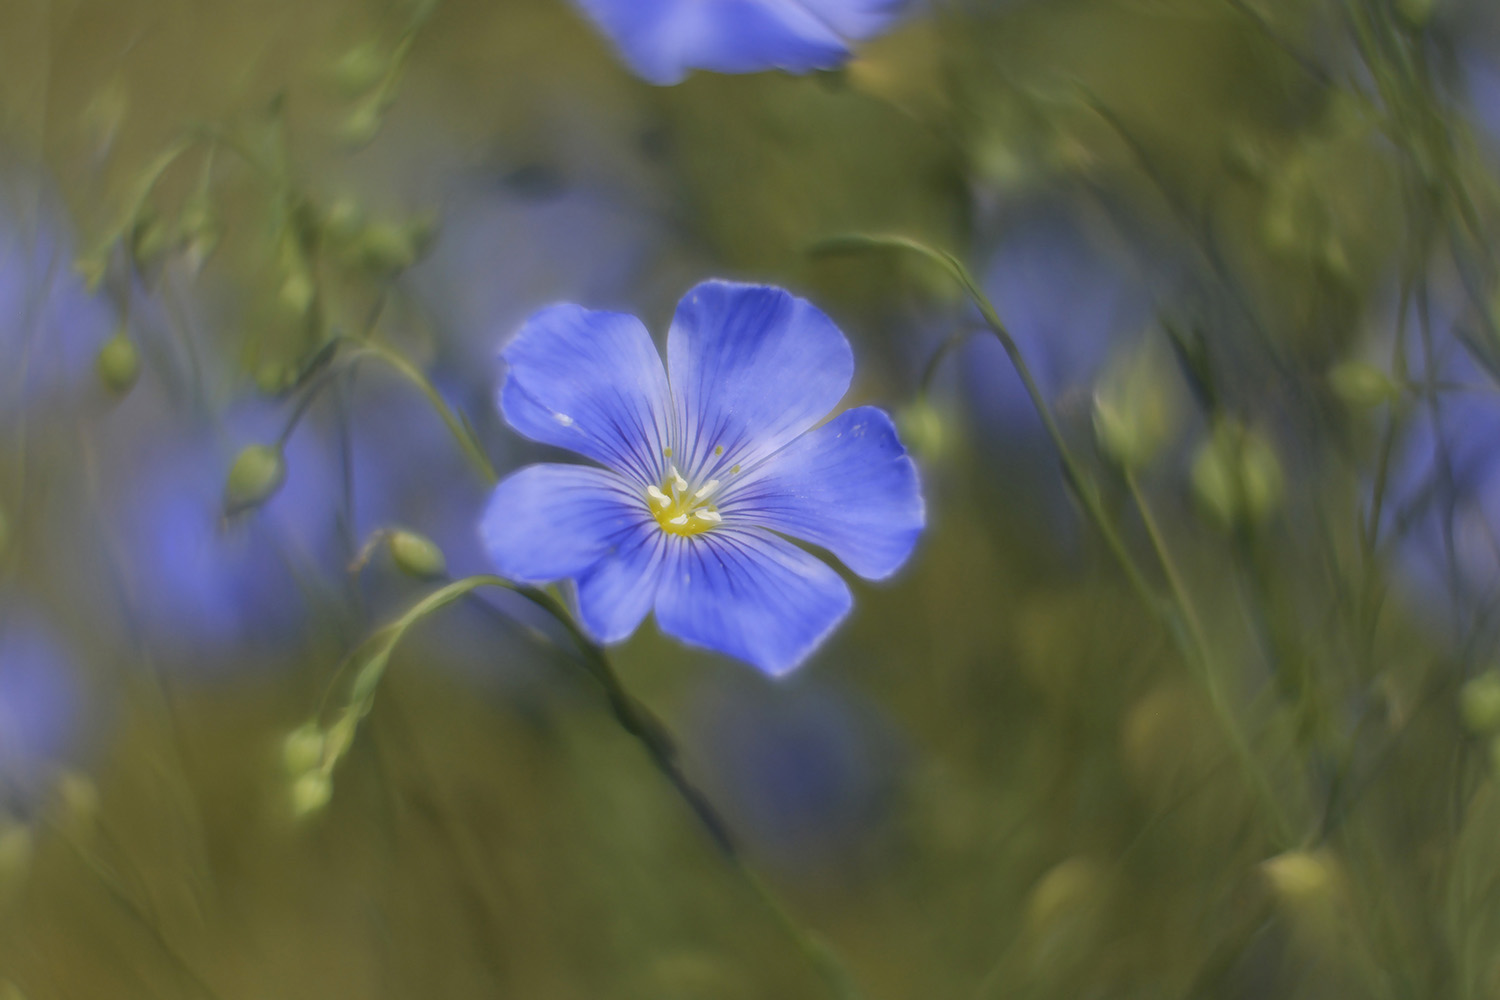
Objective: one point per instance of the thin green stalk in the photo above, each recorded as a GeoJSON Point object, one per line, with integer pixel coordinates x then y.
{"type": "Point", "coordinates": [635, 718]}
{"type": "Point", "coordinates": [1191, 645]}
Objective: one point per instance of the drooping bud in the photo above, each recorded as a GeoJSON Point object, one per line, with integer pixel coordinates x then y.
{"type": "Point", "coordinates": [1135, 407]}
{"type": "Point", "coordinates": [257, 473]}
{"type": "Point", "coordinates": [416, 555]}
{"type": "Point", "coordinates": [302, 749]}
{"type": "Point", "coordinates": [1479, 703]}
{"type": "Point", "coordinates": [360, 68]}
{"type": "Point", "coordinates": [1236, 476]}
{"type": "Point", "coordinates": [923, 429]}
{"type": "Point", "coordinates": [1361, 385]}
{"type": "Point", "coordinates": [311, 792]}
{"type": "Point", "coordinates": [118, 363]}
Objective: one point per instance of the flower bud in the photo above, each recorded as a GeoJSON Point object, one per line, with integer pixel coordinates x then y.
{"type": "Point", "coordinates": [297, 291]}
{"type": "Point", "coordinates": [343, 220]}
{"type": "Point", "coordinates": [359, 69]}
{"type": "Point", "coordinates": [257, 473]}
{"type": "Point", "coordinates": [1236, 476]}
{"type": "Point", "coordinates": [416, 555]}
{"type": "Point", "coordinates": [311, 792]}
{"type": "Point", "coordinates": [118, 363]}
{"type": "Point", "coordinates": [923, 429]}
{"type": "Point", "coordinates": [362, 124]}
{"type": "Point", "coordinates": [384, 247]}
{"type": "Point", "coordinates": [1361, 385]}
{"type": "Point", "coordinates": [1135, 408]}
{"type": "Point", "coordinates": [1298, 877]}
{"type": "Point", "coordinates": [302, 749]}
{"type": "Point", "coordinates": [1479, 703]}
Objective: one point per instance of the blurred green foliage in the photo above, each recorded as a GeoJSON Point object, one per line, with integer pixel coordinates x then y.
{"type": "Point", "coordinates": [1009, 776]}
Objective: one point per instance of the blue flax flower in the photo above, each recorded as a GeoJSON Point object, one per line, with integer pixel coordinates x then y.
{"type": "Point", "coordinates": [662, 40]}
{"type": "Point", "coordinates": [708, 462]}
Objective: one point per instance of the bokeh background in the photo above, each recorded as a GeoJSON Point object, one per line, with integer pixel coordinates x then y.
{"type": "Point", "coordinates": [1245, 246]}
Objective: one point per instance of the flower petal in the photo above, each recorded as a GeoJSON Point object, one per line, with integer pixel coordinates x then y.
{"type": "Point", "coordinates": [751, 368]}
{"type": "Point", "coordinates": [848, 486]}
{"type": "Point", "coordinates": [591, 382]}
{"type": "Point", "coordinates": [554, 522]}
{"type": "Point", "coordinates": [662, 40]}
{"type": "Point", "coordinates": [857, 19]}
{"type": "Point", "coordinates": [750, 594]}
{"type": "Point", "coordinates": [614, 596]}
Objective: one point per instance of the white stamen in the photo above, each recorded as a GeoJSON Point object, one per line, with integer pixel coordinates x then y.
{"type": "Point", "coordinates": [656, 494]}
{"type": "Point", "coordinates": [711, 516]}
{"type": "Point", "coordinates": [679, 519]}
{"type": "Point", "coordinates": [708, 488]}
{"type": "Point", "coordinates": [677, 481]}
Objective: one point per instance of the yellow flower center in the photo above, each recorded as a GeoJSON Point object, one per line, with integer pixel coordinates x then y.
{"type": "Point", "coordinates": [681, 510]}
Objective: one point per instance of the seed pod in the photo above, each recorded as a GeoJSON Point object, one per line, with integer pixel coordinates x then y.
{"type": "Point", "coordinates": [118, 363]}
{"type": "Point", "coordinates": [1236, 476]}
{"type": "Point", "coordinates": [416, 555]}
{"type": "Point", "coordinates": [302, 749]}
{"type": "Point", "coordinates": [257, 473]}
{"type": "Point", "coordinates": [311, 792]}
{"type": "Point", "coordinates": [1361, 385]}
{"type": "Point", "coordinates": [1480, 704]}
{"type": "Point", "coordinates": [359, 69]}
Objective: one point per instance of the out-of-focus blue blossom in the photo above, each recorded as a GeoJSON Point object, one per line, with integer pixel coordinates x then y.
{"type": "Point", "coordinates": [701, 477]}
{"type": "Point", "coordinates": [663, 40]}
{"type": "Point", "coordinates": [39, 708]}
{"type": "Point", "coordinates": [803, 774]}
{"type": "Point", "coordinates": [1066, 302]}
{"type": "Point", "coordinates": [51, 327]}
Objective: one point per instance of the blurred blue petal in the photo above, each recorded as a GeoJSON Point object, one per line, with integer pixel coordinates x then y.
{"type": "Point", "coordinates": [751, 367]}
{"type": "Point", "coordinates": [751, 595]}
{"type": "Point", "coordinates": [848, 486]}
{"type": "Point", "coordinates": [614, 595]}
{"type": "Point", "coordinates": [553, 522]}
{"type": "Point", "coordinates": [591, 382]}
{"type": "Point", "coordinates": [663, 40]}
{"type": "Point", "coordinates": [39, 706]}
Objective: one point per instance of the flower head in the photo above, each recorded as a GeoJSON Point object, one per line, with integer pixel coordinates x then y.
{"type": "Point", "coordinates": [707, 463]}
{"type": "Point", "coordinates": [662, 40]}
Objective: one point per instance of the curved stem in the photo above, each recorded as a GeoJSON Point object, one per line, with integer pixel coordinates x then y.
{"type": "Point", "coordinates": [1181, 626]}
{"type": "Point", "coordinates": [633, 716]}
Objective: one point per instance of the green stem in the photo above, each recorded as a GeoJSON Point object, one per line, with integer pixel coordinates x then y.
{"type": "Point", "coordinates": [640, 722]}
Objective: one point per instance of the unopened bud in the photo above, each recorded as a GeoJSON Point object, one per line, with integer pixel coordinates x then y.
{"type": "Point", "coordinates": [118, 363]}
{"type": "Point", "coordinates": [923, 429]}
{"type": "Point", "coordinates": [359, 69]}
{"type": "Point", "coordinates": [363, 124]}
{"type": "Point", "coordinates": [343, 219]}
{"type": "Point", "coordinates": [297, 291]}
{"type": "Point", "coordinates": [1299, 877]}
{"type": "Point", "coordinates": [1480, 704]}
{"type": "Point", "coordinates": [416, 555]}
{"type": "Point", "coordinates": [385, 247]}
{"type": "Point", "coordinates": [1361, 385]}
{"type": "Point", "coordinates": [311, 792]}
{"type": "Point", "coordinates": [1236, 476]}
{"type": "Point", "coordinates": [302, 750]}
{"type": "Point", "coordinates": [256, 475]}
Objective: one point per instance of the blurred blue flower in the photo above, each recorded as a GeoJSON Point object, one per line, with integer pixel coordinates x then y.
{"type": "Point", "coordinates": [51, 327]}
{"type": "Point", "coordinates": [701, 475]}
{"type": "Point", "coordinates": [39, 704]}
{"type": "Point", "coordinates": [662, 40]}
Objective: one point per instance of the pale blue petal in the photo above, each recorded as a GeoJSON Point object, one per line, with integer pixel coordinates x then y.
{"type": "Point", "coordinates": [615, 595]}
{"type": "Point", "coordinates": [751, 368]}
{"type": "Point", "coordinates": [857, 19]}
{"type": "Point", "coordinates": [662, 40]}
{"type": "Point", "coordinates": [750, 594]}
{"type": "Point", "coordinates": [848, 486]}
{"type": "Point", "coordinates": [591, 382]}
{"type": "Point", "coordinates": [554, 522]}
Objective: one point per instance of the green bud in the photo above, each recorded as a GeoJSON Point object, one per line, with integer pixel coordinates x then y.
{"type": "Point", "coordinates": [257, 473]}
{"type": "Point", "coordinates": [344, 219]}
{"type": "Point", "coordinates": [385, 247]}
{"type": "Point", "coordinates": [311, 792]}
{"type": "Point", "coordinates": [1135, 408]}
{"type": "Point", "coordinates": [1361, 385]}
{"type": "Point", "coordinates": [118, 363]}
{"type": "Point", "coordinates": [359, 69]}
{"type": "Point", "coordinates": [416, 555]}
{"type": "Point", "coordinates": [297, 291]}
{"type": "Point", "coordinates": [363, 123]}
{"type": "Point", "coordinates": [923, 429]}
{"type": "Point", "coordinates": [302, 749]}
{"type": "Point", "coordinates": [1236, 476]}
{"type": "Point", "coordinates": [1300, 877]}
{"type": "Point", "coordinates": [1480, 703]}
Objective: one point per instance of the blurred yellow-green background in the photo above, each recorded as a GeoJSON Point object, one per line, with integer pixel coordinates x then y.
{"type": "Point", "coordinates": [1206, 709]}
